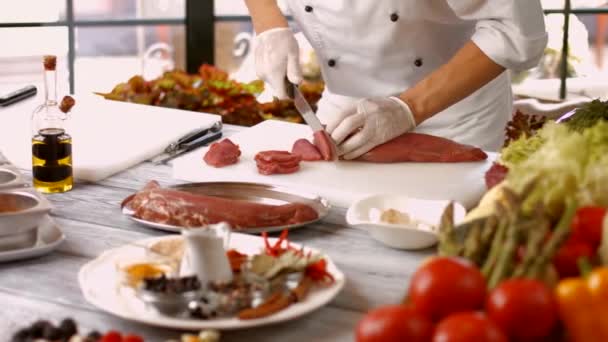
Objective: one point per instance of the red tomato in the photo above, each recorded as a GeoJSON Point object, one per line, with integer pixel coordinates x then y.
{"type": "Point", "coordinates": [567, 256]}
{"type": "Point", "coordinates": [132, 338]}
{"type": "Point", "coordinates": [524, 309]}
{"type": "Point", "coordinates": [587, 225]}
{"type": "Point", "coordinates": [468, 327]}
{"type": "Point", "coordinates": [111, 336]}
{"type": "Point", "coordinates": [446, 285]}
{"type": "Point", "coordinates": [394, 323]}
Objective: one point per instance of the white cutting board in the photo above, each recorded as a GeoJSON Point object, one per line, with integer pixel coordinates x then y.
{"type": "Point", "coordinates": [108, 136]}
{"type": "Point", "coordinates": [341, 182]}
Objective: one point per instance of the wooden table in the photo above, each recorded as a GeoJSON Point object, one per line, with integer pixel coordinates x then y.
{"type": "Point", "coordinates": [89, 215]}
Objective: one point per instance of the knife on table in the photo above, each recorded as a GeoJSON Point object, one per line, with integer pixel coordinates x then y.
{"type": "Point", "coordinates": [189, 142]}
{"type": "Point", "coordinates": [303, 107]}
{"type": "Point", "coordinates": [191, 136]}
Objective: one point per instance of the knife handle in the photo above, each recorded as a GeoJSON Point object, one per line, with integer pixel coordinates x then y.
{"type": "Point", "coordinates": [18, 95]}
{"type": "Point", "coordinates": [203, 140]}
{"type": "Point", "coordinates": [289, 89]}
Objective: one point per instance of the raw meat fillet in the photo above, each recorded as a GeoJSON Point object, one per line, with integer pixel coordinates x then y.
{"type": "Point", "coordinates": [496, 174]}
{"type": "Point", "coordinates": [417, 147]}
{"type": "Point", "coordinates": [306, 150]}
{"type": "Point", "coordinates": [323, 142]}
{"type": "Point", "coordinates": [277, 156]}
{"type": "Point", "coordinates": [222, 153]}
{"type": "Point", "coordinates": [185, 209]}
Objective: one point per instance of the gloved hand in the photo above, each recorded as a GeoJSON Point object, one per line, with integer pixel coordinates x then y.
{"type": "Point", "coordinates": [371, 122]}
{"type": "Point", "coordinates": [277, 55]}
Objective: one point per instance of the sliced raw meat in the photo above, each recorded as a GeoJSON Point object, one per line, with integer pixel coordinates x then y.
{"type": "Point", "coordinates": [306, 150]}
{"type": "Point", "coordinates": [323, 142]}
{"type": "Point", "coordinates": [185, 209]}
{"type": "Point", "coordinates": [222, 153]}
{"type": "Point", "coordinates": [271, 169]}
{"type": "Point", "coordinates": [496, 174]}
{"type": "Point", "coordinates": [287, 164]}
{"type": "Point", "coordinates": [277, 162]}
{"type": "Point", "coordinates": [277, 156]}
{"type": "Point", "coordinates": [417, 147]}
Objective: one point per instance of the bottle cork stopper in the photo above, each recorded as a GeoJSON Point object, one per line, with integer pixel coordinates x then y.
{"type": "Point", "coordinates": [66, 104]}
{"type": "Point", "coordinates": [50, 62]}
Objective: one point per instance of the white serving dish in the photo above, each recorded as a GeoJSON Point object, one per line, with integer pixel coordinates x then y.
{"type": "Point", "coordinates": [98, 281]}
{"type": "Point", "coordinates": [27, 209]}
{"type": "Point", "coordinates": [402, 236]}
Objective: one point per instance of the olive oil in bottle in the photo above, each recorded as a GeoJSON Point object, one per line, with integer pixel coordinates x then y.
{"type": "Point", "coordinates": [51, 145]}
{"type": "Point", "coordinates": [52, 160]}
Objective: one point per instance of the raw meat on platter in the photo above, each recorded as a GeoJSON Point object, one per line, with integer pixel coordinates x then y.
{"type": "Point", "coordinates": [185, 209]}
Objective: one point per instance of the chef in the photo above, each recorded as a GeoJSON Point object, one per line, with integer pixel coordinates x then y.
{"type": "Point", "coordinates": [394, 66]}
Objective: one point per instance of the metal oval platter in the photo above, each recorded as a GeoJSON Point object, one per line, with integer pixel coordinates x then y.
{"type": "Point", "coordinates": [252, 192]}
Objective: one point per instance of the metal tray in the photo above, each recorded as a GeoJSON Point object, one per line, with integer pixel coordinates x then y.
{"type": "Point", "coordinates": [252, 192]}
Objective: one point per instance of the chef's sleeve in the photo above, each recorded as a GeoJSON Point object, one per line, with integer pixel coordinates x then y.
{"type": "Point", "coordinates": [511, 32]}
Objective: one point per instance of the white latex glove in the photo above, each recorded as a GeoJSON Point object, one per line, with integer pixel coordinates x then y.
{"type": "Point", "coordinates": [373, 121]}
{"type": "Point", "coordinates": [277, 55]}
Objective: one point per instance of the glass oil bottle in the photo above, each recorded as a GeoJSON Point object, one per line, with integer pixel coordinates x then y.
{"type": "Point", "coordinates": [51, 145]}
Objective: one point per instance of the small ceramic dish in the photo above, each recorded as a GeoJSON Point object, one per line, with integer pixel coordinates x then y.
{"type": "Point", "coordinates": [10, 178]}
{"type": "Point", "coordinates": [173, 304]}
{"type": "Point", "coordinates": [414, 221]}
{"type": "Point", "coordinates": [20, 211]}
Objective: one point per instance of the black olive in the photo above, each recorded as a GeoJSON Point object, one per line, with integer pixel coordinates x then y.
{"type": "Point", "coordinates": [93, 336]}
{"type": "Point", "coordinates": [37, 329]}
{"type": "Point", "coordinates": [51, 333]}
{"type": "Point", "coordinates": [68, 328]}
{"type": "Point", "coordinates": [22, 335]}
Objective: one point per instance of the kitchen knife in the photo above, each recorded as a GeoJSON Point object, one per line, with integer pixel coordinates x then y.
{"type": "Point", "coordinates": [303, 107]}
{"type": "Point", "coordinates": [18, 95]}
{"type": "Point", "coordinates": [193, 135]}
{"type": "Point", "coordinates": [188, 147]}
{"type": "Point", "coordinates": [307, 113]}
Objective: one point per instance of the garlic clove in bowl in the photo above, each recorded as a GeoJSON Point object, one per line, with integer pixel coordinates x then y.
{"type": "Point", "coordinates": [399, 221]}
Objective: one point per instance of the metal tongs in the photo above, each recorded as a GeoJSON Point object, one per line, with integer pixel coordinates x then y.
{"type": "Point", "coordinates": [189, 142]}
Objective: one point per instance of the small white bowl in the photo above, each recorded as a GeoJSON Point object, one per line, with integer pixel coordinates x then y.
{"type": "Point", "coordinates": [21, 211]}
{"type": "Point", "coordinates": [421, 233]}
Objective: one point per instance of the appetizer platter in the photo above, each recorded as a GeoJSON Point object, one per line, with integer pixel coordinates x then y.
{"type": "Point", "coordinates": [267, 197]}
{"type": "Point", "coordinates": [272, 280]}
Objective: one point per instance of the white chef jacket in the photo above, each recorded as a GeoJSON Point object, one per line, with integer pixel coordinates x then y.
{"type": "Point", "coordinates": [381, 48]}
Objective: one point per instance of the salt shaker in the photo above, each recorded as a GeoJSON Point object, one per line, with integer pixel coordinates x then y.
{"type": "Point", "coordinates": [205, 254]}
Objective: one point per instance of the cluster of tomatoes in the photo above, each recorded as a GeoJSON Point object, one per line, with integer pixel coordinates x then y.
{"type": "Point", "coordinates": [448, 301]}
{"type": "Point", "coordinates": [583, 242]}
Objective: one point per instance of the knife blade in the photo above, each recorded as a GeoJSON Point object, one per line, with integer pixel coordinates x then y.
{"type": "Point", "coordinates": [305, 110]}
{"type": "Point", "coordinates": [188, 147]}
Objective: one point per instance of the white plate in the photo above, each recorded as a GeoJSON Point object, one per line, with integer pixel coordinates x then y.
{"type": "Point", "coordinates": [49, 238]}
{"type": "Point", "coordinates": [401, 236]}
{"type": "Point", "coordinates": [98, 281]}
